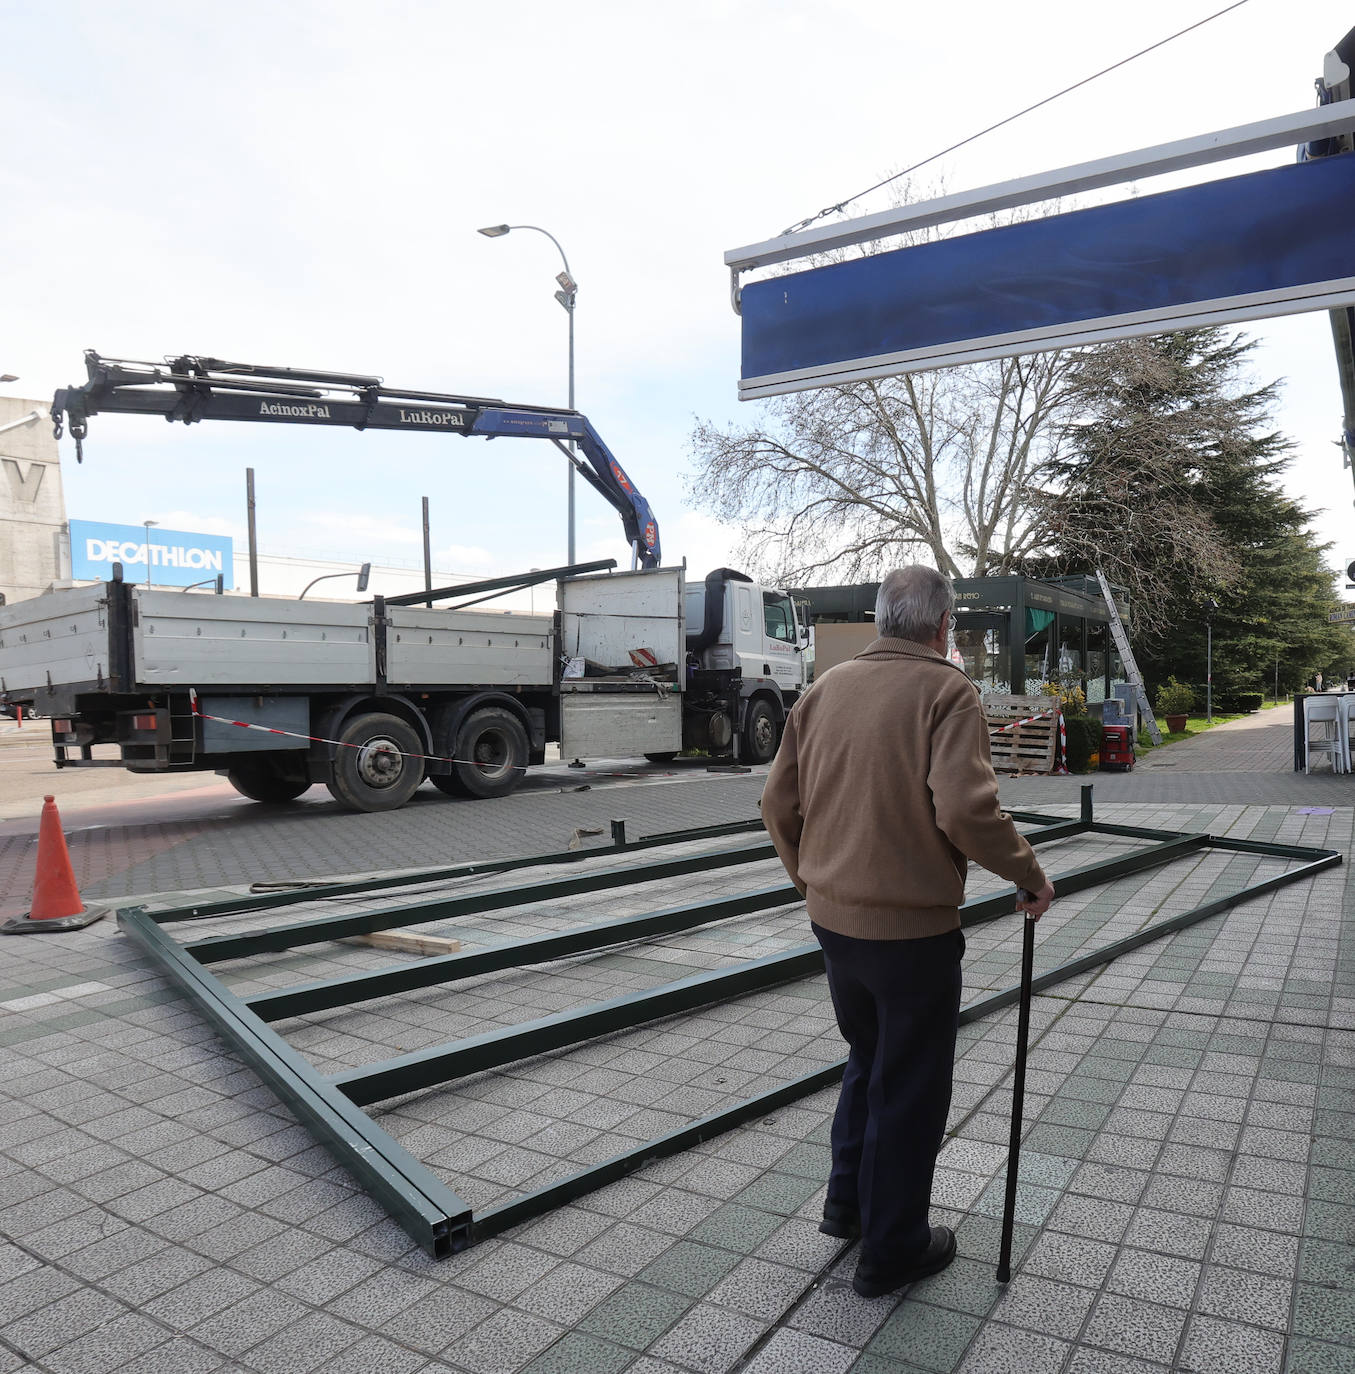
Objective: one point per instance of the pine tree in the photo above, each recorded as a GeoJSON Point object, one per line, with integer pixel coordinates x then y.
{"type": "Point", "coordinates": [1170, 482]}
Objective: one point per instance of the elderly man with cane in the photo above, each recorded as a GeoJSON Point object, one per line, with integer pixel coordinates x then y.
{"type": "Point", "coordinates": [882, 790]}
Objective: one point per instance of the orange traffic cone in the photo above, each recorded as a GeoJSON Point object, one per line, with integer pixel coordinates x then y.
{"type": "Point", "coordinates": [56, 899]}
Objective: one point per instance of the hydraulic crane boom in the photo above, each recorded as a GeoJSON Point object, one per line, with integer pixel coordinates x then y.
{"type": "Point", "coordinates": [192, 388]}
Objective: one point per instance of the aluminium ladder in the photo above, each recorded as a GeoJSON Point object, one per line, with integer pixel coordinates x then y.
{"type": "Point", "coordinates": [1131, 668]}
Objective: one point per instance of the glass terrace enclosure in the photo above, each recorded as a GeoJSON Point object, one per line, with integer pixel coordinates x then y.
{"type": "Point", "coordinates": [1013, 633]}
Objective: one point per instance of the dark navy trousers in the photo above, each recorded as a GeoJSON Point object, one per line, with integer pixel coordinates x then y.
{"type": "Point", "coordinates": [897, 1004]}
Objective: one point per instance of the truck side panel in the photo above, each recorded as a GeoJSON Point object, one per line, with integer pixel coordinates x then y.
{"type": "Point", "coordinates": [601, 724]}
{"type": "Point", "coordinates": [62, 635]}
{"type": "Point", "coordinates": [604, 618]}
{"type": "Point", "coordinates": [206, 641]}
{"type": "Point", "coordinates": [482, 648]}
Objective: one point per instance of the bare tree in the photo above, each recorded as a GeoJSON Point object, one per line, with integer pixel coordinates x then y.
{"type": "Point", "coordinates": [849, 479]}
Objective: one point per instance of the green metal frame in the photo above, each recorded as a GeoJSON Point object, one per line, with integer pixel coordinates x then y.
{"type": "Point", "coordinates": [433, 1214]}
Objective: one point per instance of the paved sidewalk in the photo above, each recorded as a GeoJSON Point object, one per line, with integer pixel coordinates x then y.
{"type": "Point", "coordinates": [1188, 1177]}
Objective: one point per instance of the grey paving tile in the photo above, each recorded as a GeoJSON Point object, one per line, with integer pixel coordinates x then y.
{"type": "Point", "coordinates": [233, 1330]}
{"type": "Point", "coordinates": [799, 1244]}
{"type": "Point", "coordinates": [1307, 1356]}
{"type": "Point", "coordinates": [1043, 1305]}
{"type": "Point", "coordinates": [1155, 1278]}
{"type": "Point", "coordinates": [760, 1288]}
{"type": "Point", "coordinates": [635, 1315]}
{"type": "Point", "coordinates": [742, 1228]}
{"type": "Point", "coordinates": [109, 1347]}
{"type": "Point", "coordinates": [928, 1337]}
{"type": "Point", "coordinates": [576, 1352]}
{"type": "Point", "coordinates": [999, 1349]}
{"type": "Point", "coordinates": [1240, 1296]}
{"type": "Point", "coordinates": [1218, 1347]}
{"type": "Point", "coordinates": [1167, 1233]}
{"type": "Point", "coordinates": [1071, 1259]}
{"type": "Point", "coordinates": [1324, 1313]}
{"type": "Point", "coordinates": [798, 1352]}
{"type": "Point", "coordinates": [1085, 1360]}
{"type": "Point", "coordinates": [1129, 1327]}
{"type": "Point", "coordinates": [568, 1293]}
{"type": "Point", "coordinates": [503, 1344]}
{"type": "Point", "coordinates": [835, 1312]}
{"type": "Point", "coordinates": [709, 1339]}
{"type": "Point", "coordinates": [375, 1355]}
{"type": "Point", "coordinates": [688, 1268]}
{"type": "Point", "coordinates": [42, 1331]}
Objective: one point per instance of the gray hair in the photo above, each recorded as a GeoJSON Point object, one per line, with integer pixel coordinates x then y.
{"type": "Point", "coordinates": [911, 603]}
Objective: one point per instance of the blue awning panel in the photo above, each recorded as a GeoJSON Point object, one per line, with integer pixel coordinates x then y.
{"type": "Point", "coordinates": [1267, 243]}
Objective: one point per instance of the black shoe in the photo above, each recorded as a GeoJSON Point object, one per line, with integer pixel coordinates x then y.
{"type": "Point", "coordinates": [873, 1282]}
{"type": "Point", "coordinates": [840, 1220]}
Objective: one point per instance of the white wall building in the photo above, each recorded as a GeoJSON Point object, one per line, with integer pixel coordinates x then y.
{"type": "Point", "coordinates": [33, 542]}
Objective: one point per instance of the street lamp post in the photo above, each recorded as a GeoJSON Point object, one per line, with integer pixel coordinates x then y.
{"type": "Point", "coordinates": [1210, 607]}
{"type": "Point", "coordinates": [566, 295]}
{"type": "Point", "coordinates": [149, 524]}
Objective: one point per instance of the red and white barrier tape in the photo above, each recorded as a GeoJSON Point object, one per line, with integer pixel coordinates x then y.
{"type": "Point", "coordinates": [383, 748]}
{"type": "Point", "coordinates": [1062, 766]}
{"type": "Point", "coordinates": [320, 739]}
{"type": "Point", "coordinates": [1029, 720]}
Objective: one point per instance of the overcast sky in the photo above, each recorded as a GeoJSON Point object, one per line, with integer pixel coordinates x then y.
{"type": "Point", "coordinates": [299, 183]}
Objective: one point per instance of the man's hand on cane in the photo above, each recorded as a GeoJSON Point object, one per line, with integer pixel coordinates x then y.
{"type": "Point", "coordinates": [1035, 904]}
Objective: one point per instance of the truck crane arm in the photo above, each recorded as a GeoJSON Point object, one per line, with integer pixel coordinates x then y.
{"type": "Point", "coordinates": [190, 389]}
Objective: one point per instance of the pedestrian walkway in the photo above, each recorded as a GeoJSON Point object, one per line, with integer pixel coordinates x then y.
{"type": "Point", "coordinates": [1187, 1194]}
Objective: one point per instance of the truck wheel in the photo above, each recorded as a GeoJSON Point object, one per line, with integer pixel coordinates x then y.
{"type": "Point", "coordinates": [491, 749]}
{"type": "Point", "coordinates": [760, 734]}
{"type": "Point", "coordinates": [263, 780]}
{"type": "Point", "coordinates": [382, 766]}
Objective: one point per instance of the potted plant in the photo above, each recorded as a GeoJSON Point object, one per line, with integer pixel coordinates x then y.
{"type": "Point", "coordinates": [1175, 701]}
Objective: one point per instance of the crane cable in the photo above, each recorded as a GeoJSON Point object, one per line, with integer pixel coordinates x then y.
{"type": "Point", "coordinates": [1123, 62]}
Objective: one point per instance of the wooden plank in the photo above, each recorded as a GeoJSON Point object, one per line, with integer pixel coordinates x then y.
{"type": "Point", "coordinates": [1018, 743]}
{"type": "Point", "coordinates": [407, 941]}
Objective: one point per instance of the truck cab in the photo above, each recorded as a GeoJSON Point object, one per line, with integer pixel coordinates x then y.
{"type": "Point", "coordinates": [746, 644]}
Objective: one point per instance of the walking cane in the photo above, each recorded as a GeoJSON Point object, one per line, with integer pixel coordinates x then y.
{"type": "Point", "coordinates": [1004, 1259]}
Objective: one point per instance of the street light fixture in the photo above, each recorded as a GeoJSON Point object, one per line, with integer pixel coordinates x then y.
{"type": "Point", "coordinates": [149, 524]}
{"type": "Point", "coordinates": [363, 575]}
{"type": "Point", "coordinates": [8, 377]}
{"type": "Point", "coordinates": [566, 295]}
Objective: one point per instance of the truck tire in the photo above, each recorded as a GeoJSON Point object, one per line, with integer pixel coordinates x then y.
{"type": "Point", "coordinates": [381, 767]}
{"type": "Point", "coordinates": [491, 747]}
{"type": "Point", "coordinates": [761, 734]}
{"type": "Point", "coordinates": [265, 780]}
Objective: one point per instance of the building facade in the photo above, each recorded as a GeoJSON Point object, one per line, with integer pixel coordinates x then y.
{"type": "Point", "coordinates": [33, 540]}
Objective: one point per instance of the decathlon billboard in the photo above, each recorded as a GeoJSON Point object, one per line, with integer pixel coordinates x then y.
{"type": "Point", "coordinates": [178, 558]}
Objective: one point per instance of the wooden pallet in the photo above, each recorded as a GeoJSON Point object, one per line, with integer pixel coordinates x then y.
{"type": "Point", "coordinates": [1026, 748]}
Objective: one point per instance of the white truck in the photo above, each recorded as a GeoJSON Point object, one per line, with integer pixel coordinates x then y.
{"type": "Point", "coordinates": [371, 698]}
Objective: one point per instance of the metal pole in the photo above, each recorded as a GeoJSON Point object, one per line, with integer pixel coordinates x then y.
{"type": "Point", "coordinates": [427, 558]}
{"type": "Point", "coordinates": [253, 533]}
{"type": "Point", "coordinates": [569, 465]}
{"type": "Point", "coordinates": [1209, 673]}
{"type": "Point", "coordinates": [1004, 1262]}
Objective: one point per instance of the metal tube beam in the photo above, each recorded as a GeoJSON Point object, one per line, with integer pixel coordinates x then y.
{"type": "Point", "coordinates": [303, 891]}
{"type": "Point", "coordinates": [215, 948]}
{"type": "Point", "coordinates": [436, 1217]}
{"type": "Point", "coordinates": [436, 1064]}
{"type": "Point", "coordinates": [494, 1220]}
{"type": "Point", "coordinates": [386, 982]}
{"type": "Point", "coordinates": [444, 1063]}
{"type": "Point", "coordinates": [324, 994]}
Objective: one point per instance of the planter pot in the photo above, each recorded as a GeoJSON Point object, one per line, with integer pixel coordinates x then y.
{"type": "Point", "coordinates": [1176, 724]}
